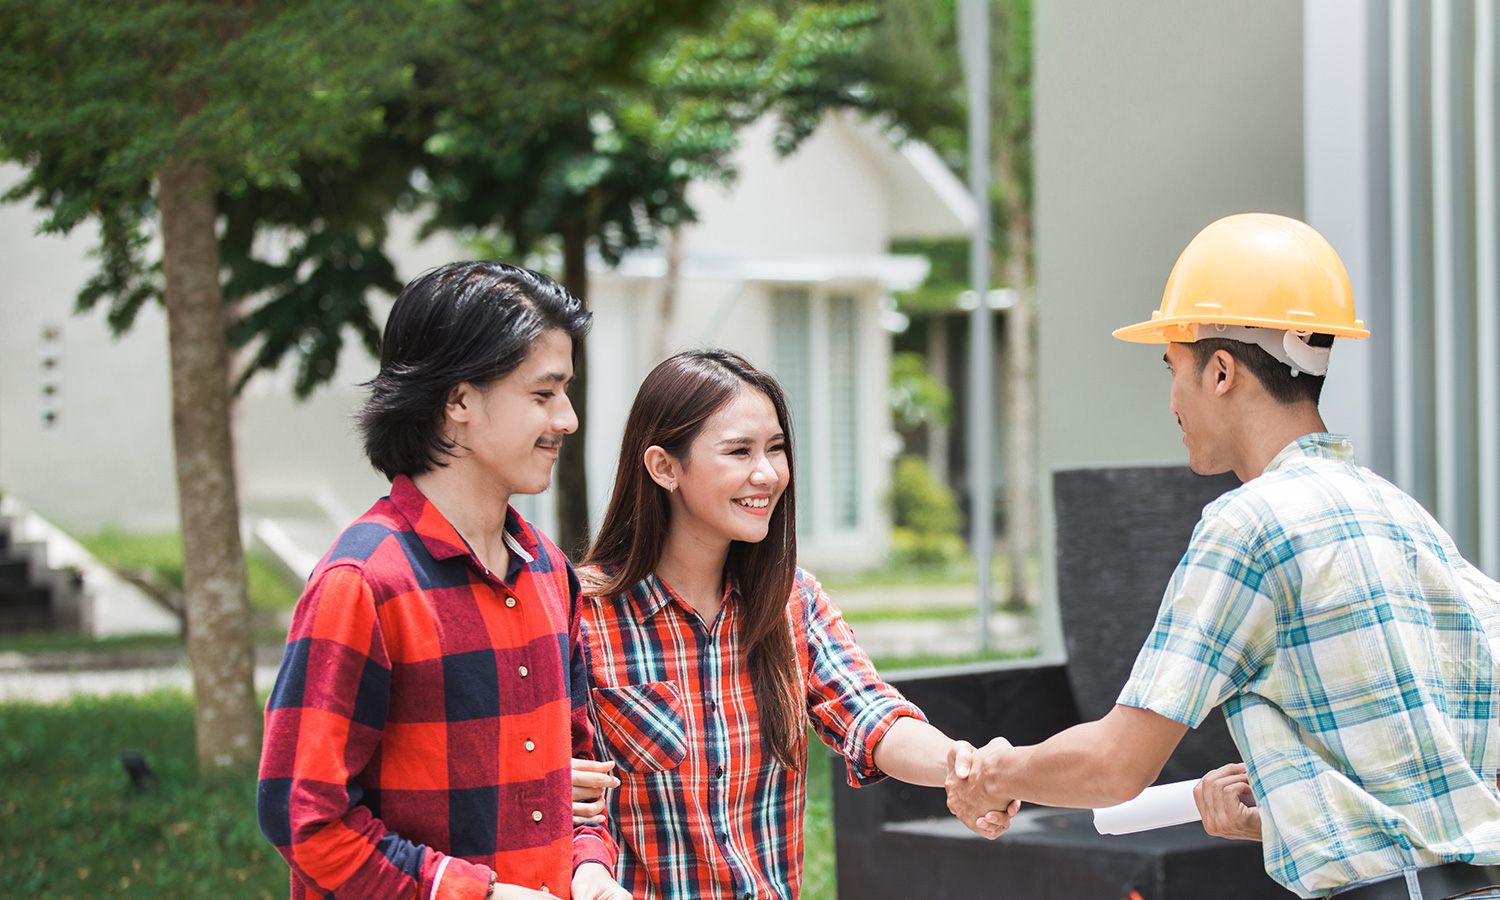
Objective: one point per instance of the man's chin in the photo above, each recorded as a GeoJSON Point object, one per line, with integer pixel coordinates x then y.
{"type": "Point", "coordinates": [1206, 469]}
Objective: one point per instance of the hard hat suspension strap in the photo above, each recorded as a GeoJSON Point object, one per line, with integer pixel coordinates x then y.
{"type": "Point", "coordinates": [1290, 348]}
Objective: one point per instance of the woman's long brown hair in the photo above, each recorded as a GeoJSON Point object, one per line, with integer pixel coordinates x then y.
{"type": "Point", "coordinates": [671, 408]}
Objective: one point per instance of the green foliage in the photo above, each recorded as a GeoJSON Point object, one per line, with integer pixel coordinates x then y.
{"type": "Point", "coordinates": [910, 547]}
{"type": "Point", "coordinates": [917, 398]}
{"type": "Point", "coordinates": [947, 275]}
{"type": "Point", "coordinates": [271, 589]}
{"type": "Point", "coordinates": [819, 862]}
{"type": "Point", "coordinates": [921, 502]}
{"type": "Point", "coordinates": [615, 158]}
{"type": "Point", "coordinates": [926, 517]}
{"type": "Point", "coordinates": [71, 825]}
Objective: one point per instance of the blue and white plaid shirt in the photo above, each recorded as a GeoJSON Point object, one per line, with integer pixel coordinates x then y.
{"type": "Point", "coordinates": [1355, 652]}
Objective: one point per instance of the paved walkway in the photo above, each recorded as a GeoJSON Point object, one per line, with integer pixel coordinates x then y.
{"type": "Point", "coordinates": [53, 678]}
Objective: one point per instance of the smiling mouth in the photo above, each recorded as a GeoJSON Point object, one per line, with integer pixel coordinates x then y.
{"type": "Point", "coordinates": [550, 445]}
{"type": "Point", "coordinates": [754, 503]}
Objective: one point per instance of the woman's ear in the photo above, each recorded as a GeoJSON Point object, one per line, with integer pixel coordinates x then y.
{"type": "Point", "coordinates": [662, 467]}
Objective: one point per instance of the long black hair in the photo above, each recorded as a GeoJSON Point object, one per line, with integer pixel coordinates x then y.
{"type": "Point", "coordinates": [670, 409]}
{"type": "Point", "coordinates": [468, 322]}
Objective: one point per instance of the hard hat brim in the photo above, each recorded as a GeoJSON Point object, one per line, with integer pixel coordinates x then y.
{"type": "Point", "coordinates": [1168, 330]}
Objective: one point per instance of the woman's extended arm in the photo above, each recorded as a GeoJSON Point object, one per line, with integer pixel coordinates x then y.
{"type": "Point", "coordinates": [915, 752]}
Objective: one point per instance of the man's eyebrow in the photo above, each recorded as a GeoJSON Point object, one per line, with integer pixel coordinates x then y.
{"type": "Point", "coordinates": [552, 378]}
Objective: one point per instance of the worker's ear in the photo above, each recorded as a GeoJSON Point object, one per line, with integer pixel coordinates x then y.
{"type": "Point", "coordinates": [1223, 368]}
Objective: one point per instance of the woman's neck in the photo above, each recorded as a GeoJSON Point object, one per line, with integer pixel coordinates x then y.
{"type": "Point", "coordinates": [694, 570]}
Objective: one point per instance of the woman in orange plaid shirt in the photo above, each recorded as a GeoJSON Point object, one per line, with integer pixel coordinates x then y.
{"type": "Point", "coordinates": [711, 651]}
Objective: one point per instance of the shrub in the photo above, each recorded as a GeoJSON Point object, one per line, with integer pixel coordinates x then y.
{"type": "Point", "coordinates": [925, 515]}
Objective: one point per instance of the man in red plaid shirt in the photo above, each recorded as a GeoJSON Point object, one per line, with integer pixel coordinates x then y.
{"type": "Point", "coordinates": [434, 688]}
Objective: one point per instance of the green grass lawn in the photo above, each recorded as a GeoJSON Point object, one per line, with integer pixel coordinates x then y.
{"type": "Point", "coordinates": [71, 826]}
{"type": "Point", "coordinates": [271, 588]}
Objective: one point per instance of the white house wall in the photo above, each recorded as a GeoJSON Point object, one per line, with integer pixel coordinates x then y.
{"type": "Point", "coordinates": [108, 460]}
{"type": "Point", "coordinates": [777, 206]}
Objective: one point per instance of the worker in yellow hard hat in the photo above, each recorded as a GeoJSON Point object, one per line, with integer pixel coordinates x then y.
{"type": "Point", "coordinates": [1352, 648]}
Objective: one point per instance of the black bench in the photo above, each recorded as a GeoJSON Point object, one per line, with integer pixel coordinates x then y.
{"type": "Point", "coordinates": [1120, 533]}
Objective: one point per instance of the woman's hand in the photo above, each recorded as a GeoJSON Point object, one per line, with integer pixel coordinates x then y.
{"type": "Point", "coordinates": [594, 882]}
{"type": "Point", "coordinates": [591, 779]}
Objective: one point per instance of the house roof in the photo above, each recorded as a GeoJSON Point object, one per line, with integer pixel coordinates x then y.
{"type": "Point", "coordinates": [927, 199]}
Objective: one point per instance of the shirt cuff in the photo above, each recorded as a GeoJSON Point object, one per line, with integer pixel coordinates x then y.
{"type": "Point", "coordinates": [457, 879]}
{"type": "Point", "coordinates": [590, 846]}
{"type": "Point", "coordinates": [862, 768]}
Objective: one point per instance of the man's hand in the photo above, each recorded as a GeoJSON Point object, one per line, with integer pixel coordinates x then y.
{"type": "Point", "coordinates": [591, 881]}
{"type": "Point", "coordinates": [590, 780]}
{"type": "Point", "coordinates": [1226, 804]}
{"type": "Point", "coordinates": [968, 798]}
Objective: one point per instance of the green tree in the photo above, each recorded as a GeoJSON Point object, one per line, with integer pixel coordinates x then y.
{"type": "Point", "coordinates": [612, 164]}
{"type": "Point", "coordinates": [301, 119]}
{"type": "Point", "coordinates": [143, 110]}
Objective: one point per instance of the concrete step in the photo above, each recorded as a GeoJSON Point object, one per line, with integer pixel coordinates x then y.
{"type": "Point", "coordinates": [26, 598]}
{"type": "Point", "coordinates": [15, 583]}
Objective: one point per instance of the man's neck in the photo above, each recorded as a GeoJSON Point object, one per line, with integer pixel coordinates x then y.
{"type": "Point", "coordinates": [475, 509]}
{"type": "Point", "coordinates": [1268, 431]}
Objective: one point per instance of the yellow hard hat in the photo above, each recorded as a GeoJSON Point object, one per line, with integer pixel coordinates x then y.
{"type": "Point", "coordinates": [1257, 270]}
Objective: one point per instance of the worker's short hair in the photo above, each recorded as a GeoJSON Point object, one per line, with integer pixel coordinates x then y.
{"type": "Point", "coordinates": [1275, 376]}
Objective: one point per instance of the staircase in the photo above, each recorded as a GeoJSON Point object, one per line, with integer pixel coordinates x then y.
{"type": "Point", "coordinates": [33, 597]}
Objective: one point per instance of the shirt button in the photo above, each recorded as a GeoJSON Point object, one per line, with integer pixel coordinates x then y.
{"type": "Point", "coordinates": [536, 815]}
{"type": "Point", "coordinates": [712, 706]}
{"type": "Point", "coordinates": [523, 671]}
{"type": "Point", "coordinates": [719, 772]}
{"type": "Point", "coordinates": [510, 601]}
{"type": "Point", "coordinates": [529, 745]}
{"type": "Point", "coordinates": [545, 890]}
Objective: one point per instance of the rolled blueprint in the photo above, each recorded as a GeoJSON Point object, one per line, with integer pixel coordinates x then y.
{"type": "Point", "coordinates": [1156, 807]}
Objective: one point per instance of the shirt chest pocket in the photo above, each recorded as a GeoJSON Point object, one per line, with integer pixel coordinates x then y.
{"type": "Point", "coordinates": [642, 725]}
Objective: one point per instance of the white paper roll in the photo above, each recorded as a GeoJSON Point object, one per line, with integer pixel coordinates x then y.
{"type": "Point", "coordinates": [1156, 807]}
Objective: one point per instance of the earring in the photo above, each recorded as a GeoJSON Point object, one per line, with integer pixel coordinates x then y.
{"type": "Point", "coordinates": [671, 487]}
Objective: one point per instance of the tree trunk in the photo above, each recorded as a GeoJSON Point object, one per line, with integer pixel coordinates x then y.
{"type": "Point", "coordinates": [669, 287]}
{"type": "Point", "coordinates": [1020, 456]}
{"type": "Point", "coordinates": [220, 643]}
{"type": "Point", "coordinates": [572, 473]}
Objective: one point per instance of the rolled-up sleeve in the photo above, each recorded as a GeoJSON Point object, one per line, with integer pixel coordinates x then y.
{"type": "Point", "coordinates": [1214, 631]}
{"type": "Point", "coordinates": [849, 704]}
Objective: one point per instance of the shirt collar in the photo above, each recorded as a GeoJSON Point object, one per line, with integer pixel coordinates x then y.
{"type": "Point", "coordinates": [443, 541]}
{"type": "Point", "coordinates": [1318, 445]}
{"type": "Point", "coordinates": [652, 595]}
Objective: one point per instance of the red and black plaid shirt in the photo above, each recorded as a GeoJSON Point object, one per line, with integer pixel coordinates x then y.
{"type": "Point", "coordinates": [420, 730]}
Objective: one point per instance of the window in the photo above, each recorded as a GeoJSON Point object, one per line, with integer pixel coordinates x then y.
{"type": "Point", "coordinates": [816, 357]}
{"type": "Point", "coordinates": [843, 386]}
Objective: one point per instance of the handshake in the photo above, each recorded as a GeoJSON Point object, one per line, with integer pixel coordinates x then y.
{"type": "Point", "coordinates": [971, 794]}
{"type": "Point", "coordinates": [984, 785]}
